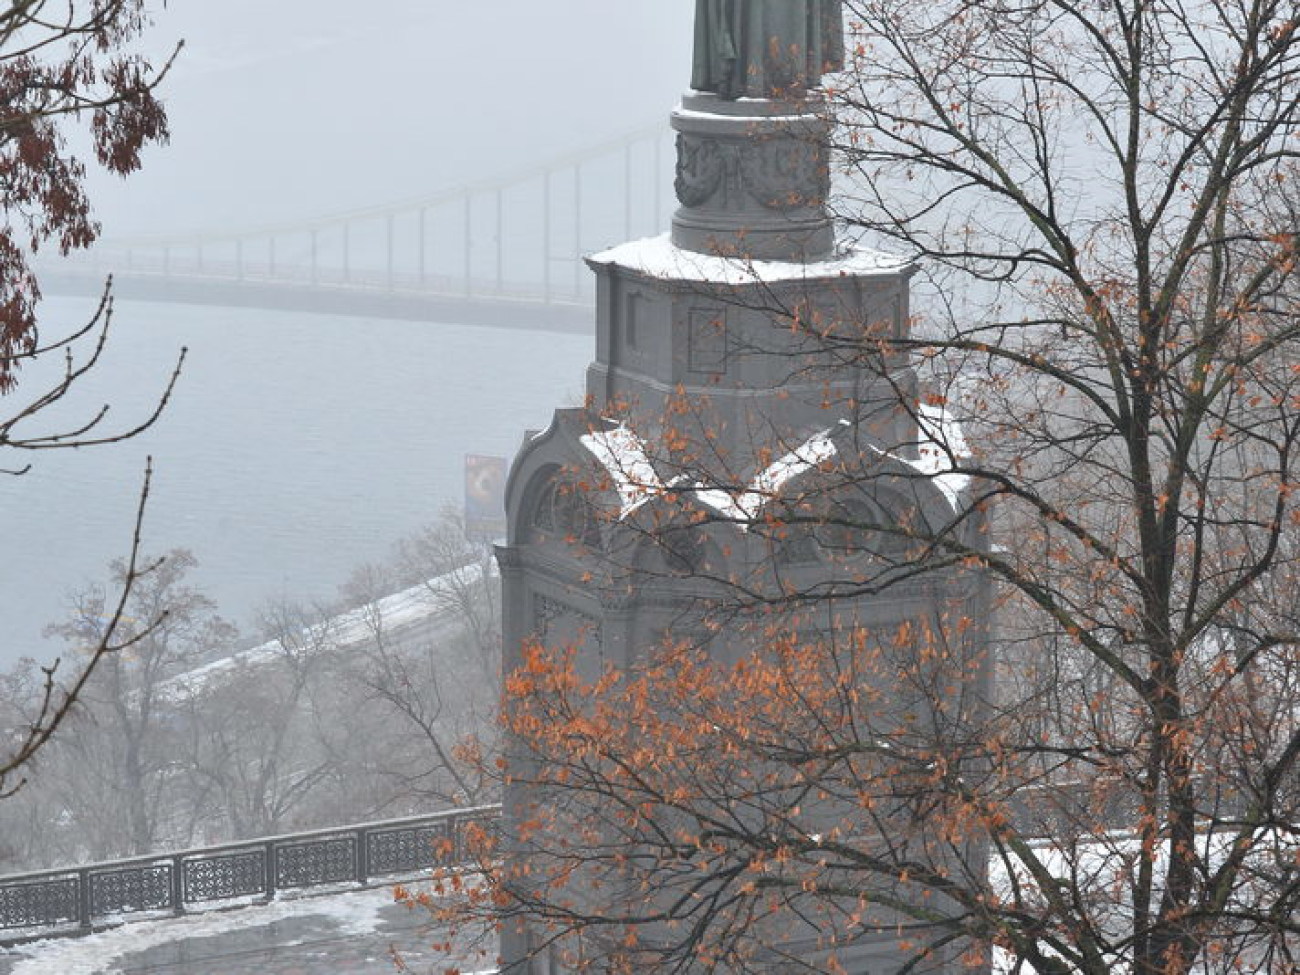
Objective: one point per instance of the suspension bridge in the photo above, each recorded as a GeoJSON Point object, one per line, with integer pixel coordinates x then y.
{"type": "Point", "coordinates": [504, 250]}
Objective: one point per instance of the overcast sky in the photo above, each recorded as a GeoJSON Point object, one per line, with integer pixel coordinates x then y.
{"type": "Point", "coordinates": [294, 108]}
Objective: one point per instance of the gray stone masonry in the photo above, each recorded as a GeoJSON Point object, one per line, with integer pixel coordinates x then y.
{"type": "Point", "coordinates": [746, 334]}
{"type": "Point", "coordinates": [752, 179]}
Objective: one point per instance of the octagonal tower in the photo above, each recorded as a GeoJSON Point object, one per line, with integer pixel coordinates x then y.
{"type": "Point", "coordinates": [738, 361]}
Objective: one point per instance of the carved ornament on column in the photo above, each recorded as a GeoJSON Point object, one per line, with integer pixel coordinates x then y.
{"type": "Point", "coordinates": [778, 174]}
{"type": "Point", "coordinates": [701, 166]}
{"type": "Point", "coordinates": [785, 174]}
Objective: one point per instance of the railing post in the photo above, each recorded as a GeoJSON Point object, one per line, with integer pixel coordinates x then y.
{"type": "Point", "coordinates": [658, 180]}
{"type": "Point", "coordinates": [178, 886]}
{"type": "Point", "coordinates": [83, 896]}
{"type": "Point", "coordinates": [577, 229]}
{"type": "Point", "coordinates": [268, 854]}
{"type": "Point", "coordinates": [363, 855]}
{"type": "Point", "coordinates": [627, 191]}
{"type": "Point", "coordinates": [347, 252]}
{"type": "Point", "coordinates": [501, 274]}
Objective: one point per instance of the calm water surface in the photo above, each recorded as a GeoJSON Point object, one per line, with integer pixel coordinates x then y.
{"type": "Point", "coordinates": [297, 446]}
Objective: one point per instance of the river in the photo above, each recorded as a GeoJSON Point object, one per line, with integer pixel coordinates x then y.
{"type": "Point", "coordinates": [296, 447]}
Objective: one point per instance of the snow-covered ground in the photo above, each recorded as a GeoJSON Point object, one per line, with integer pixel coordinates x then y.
{"type": "Point", "coordinates": [364, 923]}
{"type": "Point", "coordinates": [356, 914]}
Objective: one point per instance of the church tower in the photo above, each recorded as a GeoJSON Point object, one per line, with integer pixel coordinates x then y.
{"type": "Point", "coordinates": [734, 369]}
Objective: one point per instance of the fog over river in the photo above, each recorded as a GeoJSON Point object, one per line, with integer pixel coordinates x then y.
{"type": "Point", "coordinates": [296, 447]}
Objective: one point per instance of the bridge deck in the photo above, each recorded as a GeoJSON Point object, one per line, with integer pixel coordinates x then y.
{"type": "Point", "coordinates": [358, 300]}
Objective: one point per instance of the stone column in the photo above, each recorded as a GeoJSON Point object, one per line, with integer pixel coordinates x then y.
{"type": "Point", "coordinates": [753, 176]}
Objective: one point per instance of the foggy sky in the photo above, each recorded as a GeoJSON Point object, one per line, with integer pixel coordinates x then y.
{"type": "Point", "coordinates": [297, 108]}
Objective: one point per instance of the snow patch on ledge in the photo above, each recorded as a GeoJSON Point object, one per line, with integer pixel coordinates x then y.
{"type": "Point", "coordinates": [941, 443]}
{"type": "Point", "coordinates": [658, 257]}
{"type": "Point", "coordinates": [753, 117]}
{"type": "Point", "coordinates": [745, 506]}
{"type": "Point", "coordinates": [623, 455]}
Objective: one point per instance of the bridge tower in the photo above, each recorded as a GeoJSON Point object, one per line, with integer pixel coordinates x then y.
{"type": "Point", "coordinates": [729, 381]}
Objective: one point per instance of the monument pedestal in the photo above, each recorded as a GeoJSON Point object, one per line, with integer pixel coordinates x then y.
{"type": "Point", "coordinates": [748, 375]}
{"type": "Point", "coordinates": [752, 178]}
{"type": "Point", "coordinates": [751, 345]}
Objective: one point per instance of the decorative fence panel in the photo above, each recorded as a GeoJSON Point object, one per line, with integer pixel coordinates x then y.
{"type": "Point", "coordinates": [126, 890]}
{"type": "Point", "coordinates": [316, 862]}
{"type": "Point", "coordinates": [79, 899]}
{"type": "Point", "coordinates": [394, 851]}
{"type": "Point", "coordinates": [56, 900]}
{"type": "Point", "coordinates": [221, 876]}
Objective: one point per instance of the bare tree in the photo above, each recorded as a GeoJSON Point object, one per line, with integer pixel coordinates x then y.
{"type": "Point", "coordinates": [126, 736]}
{"type": "Point", "coordinates": [457, 574]}
{"type": "Point", "coordinates": [427, 660]}
{"type": "Point", "coordinates": [251, 750]}
{"type": "Point", "coordinates": [46, 703]}
{"type": "Point", "coordinates": [64, 66]}
{"type": "Point", "coordinates": [1101, 202]}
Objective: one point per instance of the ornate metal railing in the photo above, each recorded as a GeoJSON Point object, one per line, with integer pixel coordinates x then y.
{"type": "Point", "coordinates": [78, 899]}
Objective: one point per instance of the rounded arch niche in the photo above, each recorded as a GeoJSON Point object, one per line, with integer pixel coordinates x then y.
{"type": "Point", "coordinates": [557, 512]}
{"type": "Point", "coordinates": [880, 523]}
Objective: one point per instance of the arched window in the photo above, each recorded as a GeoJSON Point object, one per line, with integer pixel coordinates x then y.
{"type": "Point", "coordinates": [882, 524]}
{"type": "Point", "coordinates": [561, 513]}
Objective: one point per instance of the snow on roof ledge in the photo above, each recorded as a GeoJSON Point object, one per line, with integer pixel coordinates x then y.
{"type": "Point", "coordinates": [768, 483]}
{"type": "Point", "coordinates": [658, 257]}
{"type": "Point", "coordinates": [623, 455]}
{"type": "Point", "coordinates": [940, 441]}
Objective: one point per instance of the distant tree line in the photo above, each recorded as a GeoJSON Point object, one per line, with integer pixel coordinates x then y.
{"type": "Point", "coordinates": [339, 713]}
